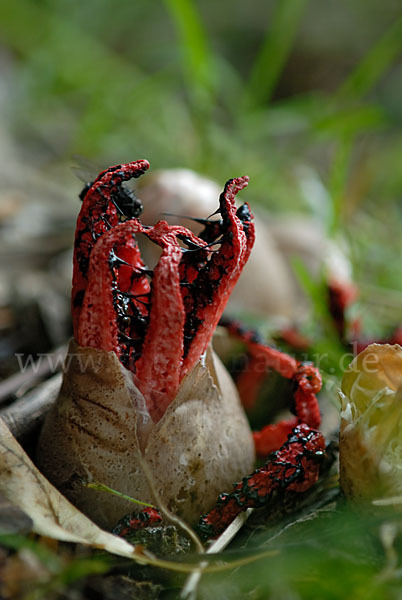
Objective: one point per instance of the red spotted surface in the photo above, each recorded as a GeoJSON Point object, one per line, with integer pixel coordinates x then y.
{"type": "Point", "coordinates": [147, 517]}
{"type": "Point", "coordinates": [306, 381]}
{"type": "Point", "coordinates": [158, 322]}
{"type": "Point", "coordinates": [293, 468]}
{"type": "Point", "coordinates": [100, 211]}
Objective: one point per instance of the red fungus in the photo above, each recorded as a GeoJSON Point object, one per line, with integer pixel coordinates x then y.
{"type": "Point", "coordinates": [294, 467]}
{"type": "Point", "coordinates": [159, 323]}
{"type": "Point", "coordinates": [147, 517]}
{"type": "Point", "coordinates": [100, 212]}
{"type": "Point", "coordinates": [305, 377]}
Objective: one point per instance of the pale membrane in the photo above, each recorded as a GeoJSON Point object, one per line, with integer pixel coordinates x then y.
{"type": "Point", "coordinates": [99, 430]}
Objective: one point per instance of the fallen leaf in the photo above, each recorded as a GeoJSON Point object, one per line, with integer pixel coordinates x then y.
{"type": "Point", "coordinates": [52, 514]}
{"type": "Point", "coordinates": [13, 519]}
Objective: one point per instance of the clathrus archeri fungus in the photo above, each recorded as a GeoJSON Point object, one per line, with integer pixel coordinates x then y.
{"type": "Point", "coordinates": [293, 468]}
{"type": "Point", "coordinates": [294, 447]}
{"type": "Point", "coordinates": [142, 385]}
{"type": "Point", "coordinates": [157, 322]}
{"type": "Point", "coordinates": [305, 379]}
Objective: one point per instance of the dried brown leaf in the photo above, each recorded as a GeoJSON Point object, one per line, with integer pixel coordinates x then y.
{"type": "Point", "coordinates": [52, 514]}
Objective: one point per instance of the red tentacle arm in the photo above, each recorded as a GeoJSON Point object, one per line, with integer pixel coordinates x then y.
{"type": "Point", "coordinates": [99, 213]}
{"type": "Point", "coordinates": [309, 382]}
{"type": "Point", "coordinates": [158, 369]}
{"type": "Point", "coordinates": [115, 278]}
{"type": "Point", "coordinates": [341, 295]}
{"type": "Point", "coordinates": [147, 517]}
{"type": "Point", "coordinates": [210, 286]}
{"type": "Point", "coordinates": [249, 381]}
{"type": "Point", "coordinates": [266, 356]}
{"type": "Point", "coordinates": [293, 468]}
{"type": "Point", "coordinates": [271, 437]}
{"type": "Point", "coordinates": [305, 377]}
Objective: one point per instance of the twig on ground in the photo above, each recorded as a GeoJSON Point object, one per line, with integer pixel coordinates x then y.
{"type": "Point", "coordinates": [190, 587]}
{"type": "Point", "coordinates": [26, 414]}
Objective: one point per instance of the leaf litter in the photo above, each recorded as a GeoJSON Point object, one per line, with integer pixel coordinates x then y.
{"type": "Point", "coordinates": [52, 517]}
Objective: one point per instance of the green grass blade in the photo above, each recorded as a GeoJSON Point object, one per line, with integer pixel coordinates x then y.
{"type": "Point", "coordinates": [351, 121]}
{"type": "Point", "coordinates": [101, 487]}
{"type": "Point", "coordinates": [194, 47]}
{"type": "Point", "coordinates": [374, 65]}
{"type": "Point", "coordinates": [83, 62]}
{"type": "Point", "coordinates": [339, 178]}
{"type": "Point", "coordinates": [275, 50]}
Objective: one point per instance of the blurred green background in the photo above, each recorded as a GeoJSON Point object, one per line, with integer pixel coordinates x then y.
{"type": "Point", "coordinates": [301, 95]}
{"type": "Point", "coordinates": [304, 96]}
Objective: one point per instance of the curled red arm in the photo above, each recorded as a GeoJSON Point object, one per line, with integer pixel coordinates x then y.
{"type": "Point", "coordinates": [158, 322]}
